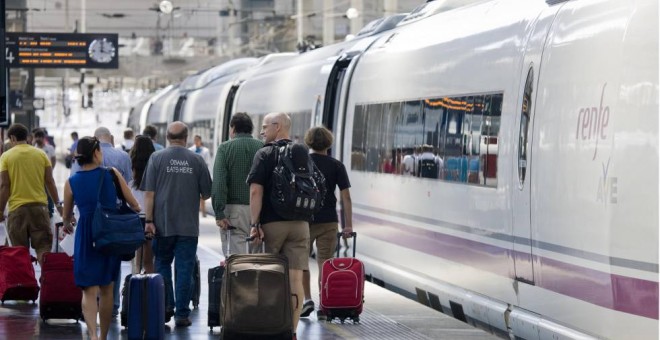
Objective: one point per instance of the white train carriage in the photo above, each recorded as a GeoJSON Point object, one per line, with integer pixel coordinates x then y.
{"type": "Point", "coordinates": [203, 96]}
{"type": "Point", "coordinates": [544, 222]}
{"type": "Point", "coordinates": [306, 86]}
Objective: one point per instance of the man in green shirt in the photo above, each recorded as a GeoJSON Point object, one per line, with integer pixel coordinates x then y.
{"type": "Point", "coordinates": [230, 193]}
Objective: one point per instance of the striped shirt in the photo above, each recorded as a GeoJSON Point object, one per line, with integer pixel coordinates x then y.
{"type": "Point", "coordinates": [233, 161]}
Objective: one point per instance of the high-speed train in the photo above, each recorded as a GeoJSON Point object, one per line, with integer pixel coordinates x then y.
{"type": "Point", "coordinates": [542, 221]}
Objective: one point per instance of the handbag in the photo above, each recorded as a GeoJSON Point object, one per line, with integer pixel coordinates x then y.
{"type": "Point", "coordinates": [116, 230]}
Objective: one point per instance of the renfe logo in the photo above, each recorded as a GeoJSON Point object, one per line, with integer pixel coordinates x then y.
{"type": "Point", "coordinates": [592, 122]}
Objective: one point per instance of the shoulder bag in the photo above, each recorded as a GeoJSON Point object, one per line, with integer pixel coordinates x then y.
{"type": "Point", "coordinates": [116, 230]}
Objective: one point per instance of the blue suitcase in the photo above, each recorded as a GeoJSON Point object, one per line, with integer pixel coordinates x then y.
{"type": "Point", "coordinates": [146, 307]}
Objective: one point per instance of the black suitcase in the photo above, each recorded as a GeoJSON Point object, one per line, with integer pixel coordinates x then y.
{"type": "Point", "coordinates": [215, 286]}
{"type": "Point", "coordinates": [256, 297]}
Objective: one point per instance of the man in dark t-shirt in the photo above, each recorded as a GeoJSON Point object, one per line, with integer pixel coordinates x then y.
{"type": "Point", "coordinates": [289, 238]}
{"type": "Point", "coordinates": [325, 223]}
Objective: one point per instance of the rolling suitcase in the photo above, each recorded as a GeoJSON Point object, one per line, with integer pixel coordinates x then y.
{"type": "Point", "coordinates": [146, 307]}
{"type": "Point", "coordinates": [256, 297]}
{"type": "Point", "coordinates": [196, 283]}
{"type": "Point", "coordinates": [215, 287]}
{"type": "Point", "coordinates": [17, 279]}
{"type": "Point", "coordinates": [60, 298]}
{"type": "Point", "coordinates": [342, 287]}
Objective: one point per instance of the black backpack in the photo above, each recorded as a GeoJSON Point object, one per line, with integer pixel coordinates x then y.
{"type": "Point", "coordinates": [428, 168]}
{"type": "Point", "coordinates": [297, 185]}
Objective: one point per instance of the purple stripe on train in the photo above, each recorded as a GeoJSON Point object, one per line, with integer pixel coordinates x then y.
{"type": "Point", "coordinates": [620, 293]}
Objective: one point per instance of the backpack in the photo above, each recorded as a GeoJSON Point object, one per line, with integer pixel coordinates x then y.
{"type": "Point", "coordinates": [428, 168]}
{"type": "Point", "coordinates": [297, 185]}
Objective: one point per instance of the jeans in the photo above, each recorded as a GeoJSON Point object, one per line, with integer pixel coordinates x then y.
{"type": "Point", "coordinates": [184, 249]}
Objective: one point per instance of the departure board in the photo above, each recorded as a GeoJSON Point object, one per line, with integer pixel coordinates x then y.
{"type": "Point", "coordinates": [61, 50]}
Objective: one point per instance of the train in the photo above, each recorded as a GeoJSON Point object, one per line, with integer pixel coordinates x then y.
{"type": "Point", "coordinates": [542, 222]}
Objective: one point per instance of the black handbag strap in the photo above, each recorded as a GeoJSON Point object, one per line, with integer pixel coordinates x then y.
{"type": "Point", "coordinates": [98, 194]}
{"type": "Point", "coordinates": [115, 179]}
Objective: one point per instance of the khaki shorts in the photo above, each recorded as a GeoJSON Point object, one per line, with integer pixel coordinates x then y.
{"type": "Point", "coordinates": [28, 225]}
{"type": "Point", "coordinates": [325, 235]}
{"type": "Point", "coordinates": [289, 238]}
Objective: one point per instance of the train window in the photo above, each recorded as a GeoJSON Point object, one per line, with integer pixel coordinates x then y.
{"type": "Point", "coordinates": [524, 126]}
{"type": "Point", "coordinates": [359, 150]}
{"type": "Point", "coordinates": [446, 138]}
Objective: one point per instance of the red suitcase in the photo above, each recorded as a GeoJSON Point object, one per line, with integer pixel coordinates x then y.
{"type": "Point", "coordinates": [60, 298]}
{"type": "Point", "coordinates": [342, 287]}
{"type": "Point", "coordinates": [17, 279]}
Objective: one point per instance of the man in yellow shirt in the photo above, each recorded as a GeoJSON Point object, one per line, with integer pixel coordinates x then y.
{"type": "Point", "coordinates": [24, 170]}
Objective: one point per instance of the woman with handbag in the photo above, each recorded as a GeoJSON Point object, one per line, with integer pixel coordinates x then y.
{"type": "Point", "coordinates": [93, 271]}
{"type": "Point", "coordinates": [140, 153]}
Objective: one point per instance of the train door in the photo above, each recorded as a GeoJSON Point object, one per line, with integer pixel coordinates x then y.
{"type": "Point", "coordinates": [333, 99]}
{"type": "Point", "coordinates": [522, 184]}
{"type": "Point", "coordinates": [178, 108]}
{"type": "Point", "coordinates": [522, 238]}
{"type": "Point", "coordinates": [226, 116]}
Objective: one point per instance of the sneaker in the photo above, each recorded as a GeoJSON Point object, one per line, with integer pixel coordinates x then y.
{"type": "Point", "coordinates": [307, 309]}
{"type": "Point", "coordinates": [185, 322]}
{"type": "Point", "coordinates": [168, 315]}
{"type": "Point", "coordinates": [321, 316]}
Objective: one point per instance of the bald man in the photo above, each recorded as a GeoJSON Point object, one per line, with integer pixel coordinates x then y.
{"type": "Point", "coordinates": [174, 181]}
{"type": "Point", "coordinates": [290, 238]}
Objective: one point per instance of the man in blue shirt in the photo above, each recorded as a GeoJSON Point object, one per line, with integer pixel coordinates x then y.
{"type": "Point", "coordinates": [119, 160]}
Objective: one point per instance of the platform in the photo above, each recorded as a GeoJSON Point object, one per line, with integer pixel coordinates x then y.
{"type": "Point", "coordinates": [386, 315]}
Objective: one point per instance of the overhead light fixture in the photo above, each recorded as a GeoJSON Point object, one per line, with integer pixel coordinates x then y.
{"type": "Point", "coordinates": [166, 6]}
{"type": "Point", "coordinates": [352, 13]}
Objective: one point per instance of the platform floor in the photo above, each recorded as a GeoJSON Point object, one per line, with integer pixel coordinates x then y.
{"type": "Point", "coordinates": [386, 315]}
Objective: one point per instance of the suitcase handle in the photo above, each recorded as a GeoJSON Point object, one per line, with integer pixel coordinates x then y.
{"type": "Point", "coordinates": [250, 239]}
{"type": "Point", "coordinates": [353, 235]}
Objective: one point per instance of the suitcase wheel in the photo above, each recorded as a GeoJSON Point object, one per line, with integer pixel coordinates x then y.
{"type": "Point", "coordinates": [356, 319]}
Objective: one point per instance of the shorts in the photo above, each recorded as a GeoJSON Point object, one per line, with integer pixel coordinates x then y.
{"type": "Point", "coordinates": [289, 238]}
{"type": "Point", "coordinates": [28, 225]}
{"type": "Point", "coordinates": [325, 235]}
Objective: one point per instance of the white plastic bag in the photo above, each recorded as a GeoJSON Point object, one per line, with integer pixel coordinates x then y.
{"type": "Point", "coordinates": [67, 244]}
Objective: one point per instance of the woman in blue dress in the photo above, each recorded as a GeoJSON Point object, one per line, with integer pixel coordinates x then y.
{"type": "Point", "coordinates": [93, 271]}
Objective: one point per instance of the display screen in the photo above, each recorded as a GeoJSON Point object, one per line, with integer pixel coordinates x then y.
{"type": "Point", "coordinates": [62, 50]}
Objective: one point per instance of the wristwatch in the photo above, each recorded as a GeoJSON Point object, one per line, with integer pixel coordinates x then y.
{"type": "Point", "coordinates": [255, 225]}
{"type": "Point", "coordinates": [59, 204]}
{"type": "Point", "coordinates": [148, 221]}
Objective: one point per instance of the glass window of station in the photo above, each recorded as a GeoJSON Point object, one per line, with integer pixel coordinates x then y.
{"type": "Point", "coordinates": [450, 139]}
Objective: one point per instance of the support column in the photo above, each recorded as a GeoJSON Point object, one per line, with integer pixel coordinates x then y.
{"type": "Point", "coordinates": [299, 21]}
{"type": "Point", "coordinates": [328, 23]}
{"type": "Point", "coordinates": [4, 78]}
{"type": "Point", "coordinates": [391, 7]}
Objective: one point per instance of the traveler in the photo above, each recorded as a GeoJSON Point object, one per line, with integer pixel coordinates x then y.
{"type": "Point", "coordinates": [230, 194]}
{"type": "Point", "coordinates": [40, 142]}
{"type": "Point", "coordinates": [286, 237]}
{"type": "Point", "coordinates": [139, 154]}
{"type": "Point", "coordinates": [199, 148]}
{"type": "Point", "coordinates": [152, 132]}
{"type": "Point", "coordinates": [24, 172]}
{"type": "Point", "coordinates": [174, 181]}
{"type": "Point", "coordinates": [111, 157]}
{"type": "Point", "coordinates": [324, 225]}
{"type": "Point", "coordinates": [93, 271]}
{"type": "Point", "coordinates": [129, 139]}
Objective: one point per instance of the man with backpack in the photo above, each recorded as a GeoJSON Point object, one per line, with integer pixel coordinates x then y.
{"type": "Point", "coordinates": [428, 164]}
{"type": "Point", "coordinates": [289, 234]}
